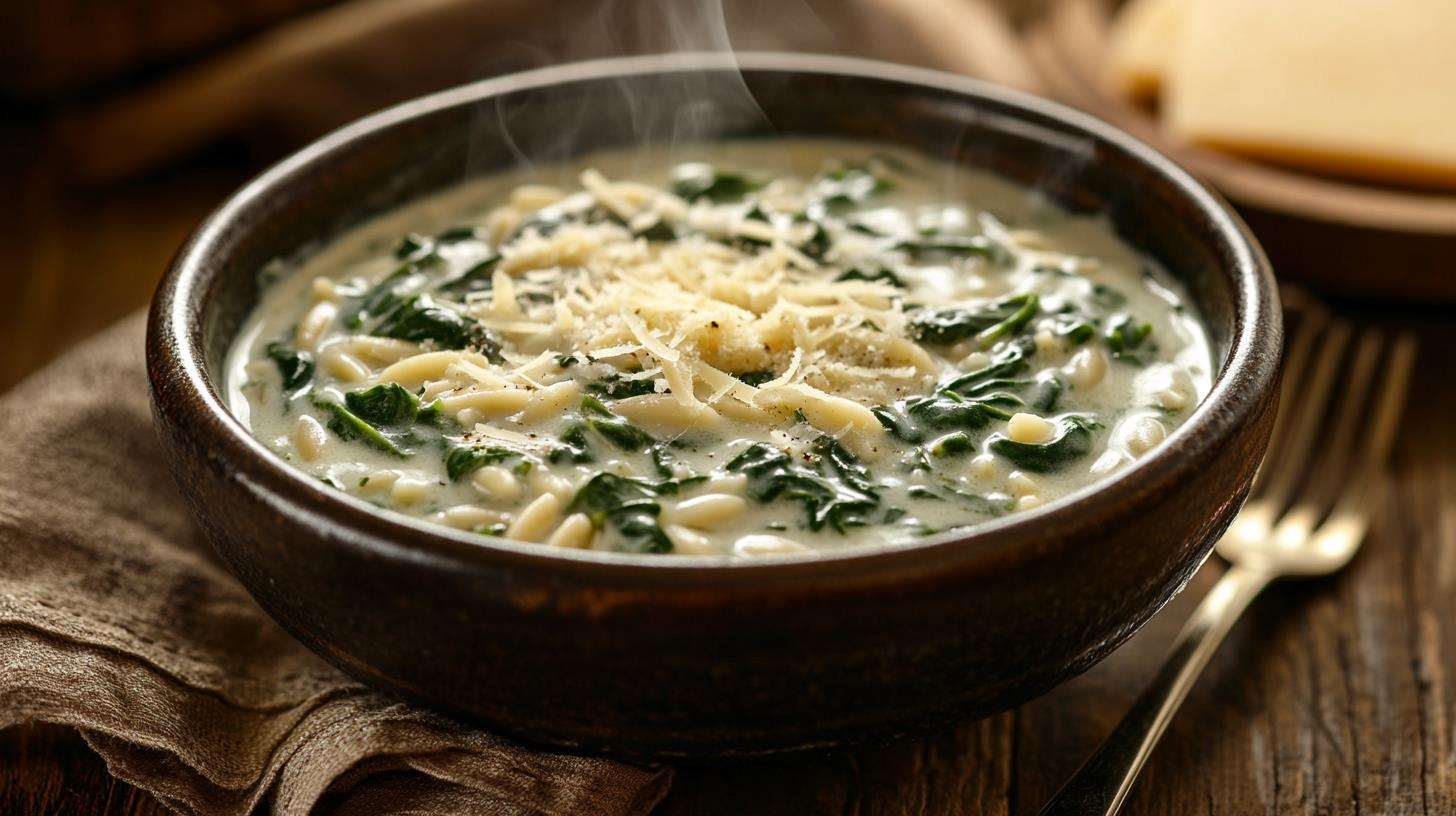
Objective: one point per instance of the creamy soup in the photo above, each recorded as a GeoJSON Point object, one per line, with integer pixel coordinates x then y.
{"type": "Point", "coordinates": [756, 348]}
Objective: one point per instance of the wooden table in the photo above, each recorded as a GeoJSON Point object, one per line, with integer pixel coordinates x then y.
{"type": "Point", "coordinates": [1335, 697]}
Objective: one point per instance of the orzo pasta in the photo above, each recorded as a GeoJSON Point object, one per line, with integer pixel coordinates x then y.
{"type": "Point", "coordinates": [781, 346]}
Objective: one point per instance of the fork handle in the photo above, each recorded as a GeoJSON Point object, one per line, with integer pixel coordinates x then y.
{"type": "Point", "coordinates": [1102, 783]}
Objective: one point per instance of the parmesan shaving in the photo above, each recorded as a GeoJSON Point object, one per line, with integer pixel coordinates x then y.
{"type": "Point", "coordinates": [649, 342]}
{"type": "Point", "coordinates": [503, 295]}
{"type": "Point", "coordinates": [698, 313]}
{"type": "Point", "coordinates": [724, 383]}
{"type": "Point", "coordinates": [789, 373]}
{"type": "Point", "coordinates": [532, 370]}
{"type": "Point", "coordinates": [794, 256]}
{"type": "Point", "coordinates": [603, 191]}
{"type": "Point", "coordinates": [614, 351]}
{"type": "Point", "coordinates": [476, 373]}
{"type": "Point", "coordinates": [645, 374]}
{"type": "Point", "coordinates": [681, 384]}
{"type": "Point", "coordinates": [507, 438]}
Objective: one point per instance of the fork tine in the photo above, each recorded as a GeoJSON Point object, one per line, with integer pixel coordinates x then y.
{"type": "Point", "coordinates": [1334, 454]}
{"type": "Point", "coordinates": [1311, 323]}
{"type": "Point", "coordinates": [1392, 401]}
{"type": "Point", "coordinates": [1306, 409]}
{"type": "Point", "coordinates": [1351, 516]}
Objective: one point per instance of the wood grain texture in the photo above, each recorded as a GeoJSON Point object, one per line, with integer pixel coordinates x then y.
{"type": "Point", "coordinates": [50, 770]}
{"type": "Point", "coordinates": [1332, 697]}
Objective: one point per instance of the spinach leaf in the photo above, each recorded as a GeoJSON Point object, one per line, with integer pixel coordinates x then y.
{"type": "Point", "coordinates": [882, 275]}
{"type": "Point", "coordinates": [629, 505]}
{"type": "Point", "coordinates": [421, 318]}
{"type": "Point", "coordinates": [896, 423]}
{"type": "Point", "coordinates": [842, 189]}
{"type": "Point", "coordinates": [616, 430]}
{"type": "Point", "coordinates": [548, 220]}
{"type": "Point", "coordinates": [383, 297]}
{"type": "Point", "coordinates": [1074, 328]}
{"type": "Point", "coordinates": [942, 327]}
{"type": "Point", "coordinates": [856, 224]}
{"type": "Point", "coordinates": [756, 378]}
{"type": "Point", "coordinates": [953, 246]}
{"type": "Point", "coordinates": [950, 410]}
{"type": "Point", "coordinates": [595, 416]}
{"type": "Point", "coordinates": [659, 231]}
{"type": "Point", "coordinates": [697, 180]}
{"type": "Point", "coordinates": [1012, 323]}
{"type": "Point", "coordinates": [956, 443]}
{"type": "Point", "coordinates": [844, 464]}
{"type": "Point", "coordinates": [818, 244]}
{"type": "Point", "coordinates": [615, 386]}
{"type": "Point", "coordinates": [390, 404]}
{"type": "Point", "coordinates": [670, 487]}
{"type": "Point", "coordinates": [1073, 440]}
{"type": "Point", "coordinates": [998, 391]}
{"type": "Point", "coordinates": [756, 213]}
{"type": "Point", "coordinates": [842, 499]}
{"type": "Point", "coordinates": [911, 419]}
{"type": "Point", "coordinates": [414, 248]}
{"type": "Point", "coordinates": [1007, 363]}
{"type": "Point", "coordinates": [993, 504]}
{"type": "Point", "coordinates": [384, 416]}
{"type": "Point", "coordinates": [417, 253]}
{"type": "Point", "coordinates": [1125, 337]}
{"type": "Point", "coordinates": [1107, 297]}
{"type": "Point", "coordinates": [925, 493]}
{"type": "Point", "coordinates": [296, 367]}
{"type": "Point", "coordinates": [987, 324]}
{"type": "Point", "coordinates": [641, 532]}
{"type": "Point", "coordinates": [665, 464]}
{"type": "Point", "coordinates": [349, 426]}
{"type": "Point", "coordinates": [455, 235]}
{"type": "Point", "coordinates": [462, 459]}
{"type": "Point", "coordinates": [476, 278]}
{"type": "Point", "coordinates": [573, 447]}
{"type": "Point", "coordinates": [1046, 394]}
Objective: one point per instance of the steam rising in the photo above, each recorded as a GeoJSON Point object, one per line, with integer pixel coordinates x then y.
{"type": "Point", "coordinates": [655, 113]}
{"type": "Point", "coordinates": [660, 116]}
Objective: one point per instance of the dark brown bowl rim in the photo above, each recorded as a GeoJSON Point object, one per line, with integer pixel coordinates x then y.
{"type": "Point", "coordinates": [177, 367]}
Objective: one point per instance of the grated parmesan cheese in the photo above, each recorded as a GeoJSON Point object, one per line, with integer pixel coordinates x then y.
{"type": "Point", "coordinates": [701, 310]}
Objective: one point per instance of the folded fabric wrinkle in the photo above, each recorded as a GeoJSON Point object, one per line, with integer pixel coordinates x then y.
{"type": "Point", "coordinates": [117, 620]}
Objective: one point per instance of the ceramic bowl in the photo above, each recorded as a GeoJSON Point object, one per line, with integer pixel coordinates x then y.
{"type": "Point", "coordinates": [691, 657]}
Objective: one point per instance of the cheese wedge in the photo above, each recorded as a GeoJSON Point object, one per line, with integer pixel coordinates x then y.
{"type": "Point", "coordinates": [1355, 87]}
{"type": "Point", "coordinates": [1145, 36]}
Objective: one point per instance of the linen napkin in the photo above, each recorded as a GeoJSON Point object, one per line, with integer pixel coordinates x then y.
{"type": "Point", "coordinates": [116, 619]}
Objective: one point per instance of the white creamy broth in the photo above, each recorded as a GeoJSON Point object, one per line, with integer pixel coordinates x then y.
{"type": "Point", "coordinates": [750, 348]}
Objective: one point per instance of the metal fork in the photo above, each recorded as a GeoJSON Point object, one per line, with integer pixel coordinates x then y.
{"type": "Point", "coordinates": [1311, 505]}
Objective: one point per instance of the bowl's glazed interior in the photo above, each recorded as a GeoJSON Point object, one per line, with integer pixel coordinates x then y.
{"type": "Point", "coordinates": [642, 657]}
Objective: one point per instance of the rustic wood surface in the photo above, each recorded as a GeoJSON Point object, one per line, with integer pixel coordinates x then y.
{"type": "Point", "coordinates": [1333, 697]}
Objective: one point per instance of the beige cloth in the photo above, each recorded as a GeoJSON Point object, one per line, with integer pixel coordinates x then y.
{"type": "Point", "coordinates": [116, 619]}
